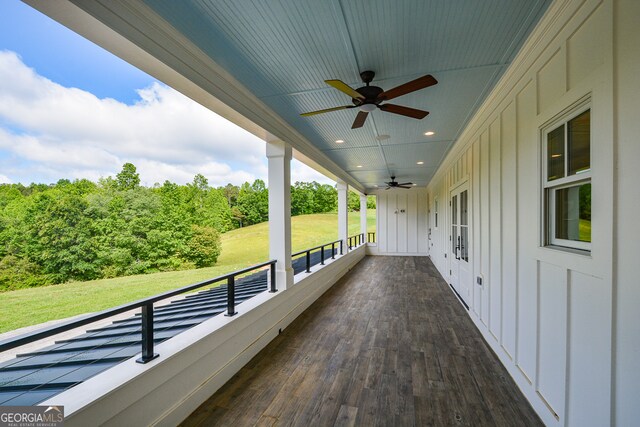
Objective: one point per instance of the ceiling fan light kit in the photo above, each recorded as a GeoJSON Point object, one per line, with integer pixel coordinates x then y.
{"type": "Point", "coordinates": [368, 98]}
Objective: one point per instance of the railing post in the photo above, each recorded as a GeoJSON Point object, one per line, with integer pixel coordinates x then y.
{"type": "Point", "coordinates": [273, 278]}
{"type": "Point", "coordinates": [308, 261]}
{"type": "Point", "coordinates": [231, 296]}
{"type": "Point", "coordinates": [147, 334]}
{"type": "Point", "coordinates": [341, 246]}
{"type": "Point", "coordinates": [333, 250]}
{"type": "Point", "coordinates": [322, 255]}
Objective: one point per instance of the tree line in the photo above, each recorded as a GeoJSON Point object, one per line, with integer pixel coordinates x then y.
{"type": "Point", "coordinates": [84, 230]}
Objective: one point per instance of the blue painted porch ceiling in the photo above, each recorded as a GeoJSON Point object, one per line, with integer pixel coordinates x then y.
{"type": "Point", "coordinates": [284, 50]}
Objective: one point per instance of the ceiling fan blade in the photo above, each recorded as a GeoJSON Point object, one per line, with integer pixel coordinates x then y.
{"type": "Point", "coordinates": [412, 86]}
{"type": "Point", "coordinates": [402, 186]}
{"type": "Point", "coordinates": [326, 110]}
{"type": "Point", "coordinates": [387, 188]}
{"type": "Point", "coordinates": [404, 111]}
{"type": "Point", "coordinates": [359, 121]}
{"type": "Point", "coordinates": [343, 87]}
{"type": "Point", "coordinates": [406, 183]}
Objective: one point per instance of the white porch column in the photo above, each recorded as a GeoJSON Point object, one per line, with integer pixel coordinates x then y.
{"type": "Point", "coordinates": [343, 218]}
{"type": "Point", "coordinates": [279, 155]}
{"type": "Point", "coordinates": [363, 217]}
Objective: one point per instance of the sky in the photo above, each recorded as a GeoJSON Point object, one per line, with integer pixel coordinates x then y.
{"type": "Point", "coordinates": [69, 109]}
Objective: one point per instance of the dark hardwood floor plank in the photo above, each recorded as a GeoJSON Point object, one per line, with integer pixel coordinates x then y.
{"type": "Point", "coordinates": [388, 345]}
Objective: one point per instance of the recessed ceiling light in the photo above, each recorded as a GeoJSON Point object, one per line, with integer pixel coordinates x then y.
{"type": "Point", "coordinates": [359, 166]}
{"type": "Point", "coordinates": [429, 133]}
{"type": "Point", "coordinates": [339, 141]}
{"type": "Point", "coordinates": [415, 185]}
{"type": "Point", "coordinates": [420, 163]}
{"type": "Point", "coordinates": [382, 137]}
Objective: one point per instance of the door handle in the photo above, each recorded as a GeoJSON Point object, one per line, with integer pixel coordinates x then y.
{"type": "Point", "coordinates": [458, 248]}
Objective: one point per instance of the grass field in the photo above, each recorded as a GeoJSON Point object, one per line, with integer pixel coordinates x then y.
{"type": "Point", "coordinates": [240, 248]}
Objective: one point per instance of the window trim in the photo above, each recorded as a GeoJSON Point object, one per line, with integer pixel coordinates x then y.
{"type": "Point", "coordinates": [549, 188]}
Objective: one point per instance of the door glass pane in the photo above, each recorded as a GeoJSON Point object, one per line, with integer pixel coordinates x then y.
{"type": "Point", "coordinates": [454, 210]}
{"type": "Point", "coordinates": [555, 154]}
{"type": "Point", "coordinates": [464, 244]}
{"type": "Point", "coordinates": [573, 213]}
{"type": "Point", "coordinates": [578, 135]}
{"type": "Point", "coordinates": [436, 213]}
{"type": "Point", "coordinates": [463, 208]}
{"type": "Point", "coordinates": [454, 239]}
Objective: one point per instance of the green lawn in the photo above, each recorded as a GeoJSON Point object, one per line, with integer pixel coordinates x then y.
{"type": "Point", "coordinates": [240, 248]}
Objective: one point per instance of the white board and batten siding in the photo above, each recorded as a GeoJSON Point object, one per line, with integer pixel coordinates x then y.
{"type": "Point", "coordinates": [401, 222]}
{"type": "Point", "coordinates": [550, 314]}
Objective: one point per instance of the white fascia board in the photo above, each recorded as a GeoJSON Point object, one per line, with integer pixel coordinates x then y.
{"type": "Point", "coordinates": [135, 33]}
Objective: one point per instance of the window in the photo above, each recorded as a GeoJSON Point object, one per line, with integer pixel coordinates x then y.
{"type": "Point", "coordinates": [567, 182]}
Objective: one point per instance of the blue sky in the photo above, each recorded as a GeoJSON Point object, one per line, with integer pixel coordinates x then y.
{"type": "Point", "coordinates": [70, 109]}
{"type": "Point", "coordinates": [59, 54]}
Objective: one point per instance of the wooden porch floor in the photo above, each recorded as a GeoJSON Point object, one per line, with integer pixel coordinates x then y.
{"type": "Point", "coordinates": [389, 344]}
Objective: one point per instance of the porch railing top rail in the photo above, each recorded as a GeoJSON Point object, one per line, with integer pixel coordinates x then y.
{"type": "Point", "coordinates": [316, 247]}
{"type": "Point", "coordinates": [39, 334]}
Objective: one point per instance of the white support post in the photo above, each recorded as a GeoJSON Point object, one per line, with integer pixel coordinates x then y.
{"type": "Point", "coordinates": [363, 217]}
{"type": "Point", "coordinates": [279, 155]}
{"type": "Point", "coordinates": [343, 218]}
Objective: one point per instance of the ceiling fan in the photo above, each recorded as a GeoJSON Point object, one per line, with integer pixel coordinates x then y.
{"type": "Point", "coordinates": [368, 98]}
{"type": "Point", "coordinates": [394, 184]}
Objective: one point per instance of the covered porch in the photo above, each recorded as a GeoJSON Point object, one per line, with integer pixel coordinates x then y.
{"type": "Point", "coordinates": [388, 341]}
{"type": "Point", "coordinates": [388, 344]}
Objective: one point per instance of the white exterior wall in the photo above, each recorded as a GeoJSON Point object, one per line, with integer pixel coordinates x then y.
{"type": "Point", "coordinates": [401, 222]}
{"type": "Point", "coordinates": [565, 325]}
{"type": "Point", "coordinates": [626, 356]}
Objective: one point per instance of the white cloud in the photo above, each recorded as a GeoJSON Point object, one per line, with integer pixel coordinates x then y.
{"type": "Point", "coordinates": [303, 173]}
{"type": "Point", "coordinates": [4, 179]}
{"type": "Point", "coordinates": [58, 132]}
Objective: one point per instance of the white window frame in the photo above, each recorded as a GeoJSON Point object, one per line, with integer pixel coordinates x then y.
{"type": "Point", "coordinates": [551, 187]}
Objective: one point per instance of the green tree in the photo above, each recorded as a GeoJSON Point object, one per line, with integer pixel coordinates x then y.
{"type": "Point", "coordinates": [253, 202]}
{"type": "Point", "coordinates": [325, 198]}
{"type": "Point", "coordinates": [58, 237]}
{"type": "Point", "coordinates": [231, 191]}
{"type": "Point", "coordinates": [127, 178]}
{"type": "Point", "coordinates": [203, 246]}
{"type": "Point", "coordinates": [353, 201]}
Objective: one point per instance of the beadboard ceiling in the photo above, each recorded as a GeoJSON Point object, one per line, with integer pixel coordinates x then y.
{"type": "Point", "coordinates": [283, 50]}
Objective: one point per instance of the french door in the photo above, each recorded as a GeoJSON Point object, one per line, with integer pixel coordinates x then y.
{"type": "Point", "coordinates": [460, 270]}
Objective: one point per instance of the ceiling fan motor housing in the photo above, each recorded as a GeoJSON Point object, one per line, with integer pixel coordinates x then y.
{"type": "Point", "coordinates": [370, 94]}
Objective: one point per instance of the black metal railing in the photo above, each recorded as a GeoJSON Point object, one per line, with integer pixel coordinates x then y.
{"type": "Point", "coordinates": [355, 240]}
{"type": "Point", "coordinates": [335, 247]}
{"type": "Point", "coordinates": [146, 305]}
{"type": "Point", "coordinates": [371, 237]}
